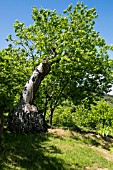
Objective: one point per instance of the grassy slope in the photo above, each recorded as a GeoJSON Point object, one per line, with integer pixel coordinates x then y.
{"type": "Point", "coordinates": [56, 150]}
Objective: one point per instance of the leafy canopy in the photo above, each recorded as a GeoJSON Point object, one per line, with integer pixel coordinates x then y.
{"type": "Point", "coordinates": [82, 52]}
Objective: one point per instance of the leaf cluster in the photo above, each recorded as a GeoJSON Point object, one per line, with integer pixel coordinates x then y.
{"type": "Point", "coordinates": [15, 70]}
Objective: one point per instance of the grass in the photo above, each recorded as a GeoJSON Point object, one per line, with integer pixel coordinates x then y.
{"type": "Point", "coordinates": [56, 150]}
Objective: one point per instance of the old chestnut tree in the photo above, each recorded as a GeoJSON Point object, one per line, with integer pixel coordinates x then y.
{"type": "Point", "coordinates": [67, 47]}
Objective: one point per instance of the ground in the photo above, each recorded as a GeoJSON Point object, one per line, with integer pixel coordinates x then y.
{"type": "Point", "coordinates": [103, 148]}
{"type": "Point", "coordinates": [58, 149]}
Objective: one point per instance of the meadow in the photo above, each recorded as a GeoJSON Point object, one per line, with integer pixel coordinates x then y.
{"type": "Point", "coordinates": [58, 149]}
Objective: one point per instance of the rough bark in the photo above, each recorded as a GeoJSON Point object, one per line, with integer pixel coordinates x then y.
{"type": "Point", "coordinates": [25, 117]}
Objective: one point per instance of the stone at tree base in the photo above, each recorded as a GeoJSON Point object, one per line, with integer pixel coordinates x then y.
{"type": "Point", "coordinates": [27, 119]}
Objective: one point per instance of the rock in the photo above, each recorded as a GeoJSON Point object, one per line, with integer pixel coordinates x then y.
{"type": "Point", "coordinates": [27, 120]}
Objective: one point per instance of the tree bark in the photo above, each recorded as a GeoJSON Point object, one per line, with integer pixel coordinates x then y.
{"type": "Point", "coordinates": [1, 127]}
{"type": "Point", "coordinates": [45, 109]}
{"type": "Point", "coordinates": [25, 117]}
{"type": "Point", "coordinates": [51, 116]}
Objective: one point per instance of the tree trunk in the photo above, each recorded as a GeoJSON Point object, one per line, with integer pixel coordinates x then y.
{"type": "Point", "coordinates": [25, 117]}
{"type": "Point", "coordinates": [51, 116]}
{"type": "Point", "coordinates": [45, 106]}
{"type": "Point", "coordinates": [1, 128]}
{"type": "Point", "coordinates": [45, 109]}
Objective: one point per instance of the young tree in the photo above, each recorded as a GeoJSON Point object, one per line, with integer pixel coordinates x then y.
{"type": "Point", "coordinates": [67, 43]}
{"type": "Point", "coordinates": [52, 92]}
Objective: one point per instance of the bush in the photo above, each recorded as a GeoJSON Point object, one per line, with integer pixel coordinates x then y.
{"type": "Point", "coordinates": [63, 116]}
{"type": "Point", "coordinates": [98, 117]}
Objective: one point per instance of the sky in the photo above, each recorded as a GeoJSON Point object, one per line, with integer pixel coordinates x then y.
{"type": "Point", "coordinates": [11, 10]}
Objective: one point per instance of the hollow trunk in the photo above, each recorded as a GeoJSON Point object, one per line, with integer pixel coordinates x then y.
{"type": "Point", "coordinates": [25, 117]}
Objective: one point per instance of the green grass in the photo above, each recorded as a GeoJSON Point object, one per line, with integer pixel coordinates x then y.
{"type": "Point", "coordinates": [55, 151]}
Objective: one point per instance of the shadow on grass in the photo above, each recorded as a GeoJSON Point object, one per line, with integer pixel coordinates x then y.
{"type": "Point", "coordinates": [29, 152]}
{"type": "Point", "coordinates": [92, 138]}
{"type": "Point", "coordinates": [88, 137]}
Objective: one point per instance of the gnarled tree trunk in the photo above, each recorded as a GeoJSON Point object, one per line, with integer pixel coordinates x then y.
{"type": "Point", "coordinates": [25, 117]}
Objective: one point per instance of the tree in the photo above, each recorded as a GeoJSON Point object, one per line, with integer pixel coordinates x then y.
{"type": "Point", "coordinates": [67, 43]}
{"type": "Point", "coordinates": [50, 95]}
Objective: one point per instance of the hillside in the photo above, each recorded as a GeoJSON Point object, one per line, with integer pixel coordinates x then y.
{"type": "Point", "coordinates": [57, 149]}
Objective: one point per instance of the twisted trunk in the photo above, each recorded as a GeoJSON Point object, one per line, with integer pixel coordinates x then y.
{"type": "Point", "coordinates": [25, 117]}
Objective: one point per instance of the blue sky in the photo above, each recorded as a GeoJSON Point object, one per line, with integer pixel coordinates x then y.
{"type": "Point", "coordinates": [10, 10]}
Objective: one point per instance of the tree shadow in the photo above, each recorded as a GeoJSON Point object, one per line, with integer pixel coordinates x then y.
{"type": "Point", "coordinates": [27, 151]}
{"type": "Point", "coordinates": [92, 138]}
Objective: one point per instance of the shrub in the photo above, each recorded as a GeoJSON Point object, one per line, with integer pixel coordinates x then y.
{"type": "Point", "coordinates": [98, 117]}
{"type": "Point", "coordinates": [63, 116]}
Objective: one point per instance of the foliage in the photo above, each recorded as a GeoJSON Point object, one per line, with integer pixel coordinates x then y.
{"type": "Point", "coordinates": [109, 99]}
{"type": "Point", "coordinates": [63, 117]}
{"type": "Point", "coordinates": [99, 117]}
{"type": "Point", "coordinates": [51, 93]}
{"type": "Point", "coordinates": [15, 70]}
{"type": "Point", "coordinates": [81, 61]}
